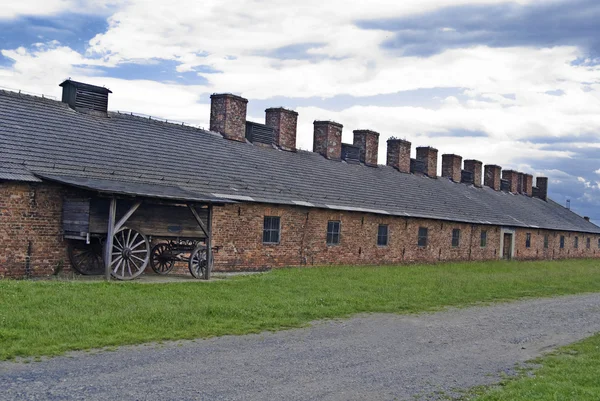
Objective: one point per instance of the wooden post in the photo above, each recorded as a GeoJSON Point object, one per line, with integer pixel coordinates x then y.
{"type": "Point", "coordinates": [112, 212]}
{"type": "Point", "coordinates": [209, 253]}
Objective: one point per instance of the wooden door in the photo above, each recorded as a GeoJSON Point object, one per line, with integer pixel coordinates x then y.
{"type": "Point", "coordinates": [507, 249]}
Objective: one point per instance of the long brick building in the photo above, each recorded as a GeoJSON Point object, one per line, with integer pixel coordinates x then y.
{"type": "Point", "coordinates": [262, 203]}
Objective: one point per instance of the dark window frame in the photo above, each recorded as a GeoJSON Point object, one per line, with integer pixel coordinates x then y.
{"type": "Point", "coordinates": [423, 237]}
{"type": "Point", "coordinates": [483, 239]}
{"type": "Point", "coordinates": [528, 240]}
{"type": "Point", "coordinates": [562, 242]}
{"type": "Point", "coordinates": [546, 241]}
{"type": "Point", "coordinates": [270, 231]}
{"type": "Point", "coordinates": [334, 236]}
{"type": "Point", "coordinates": [588, 243]}
{"type": "Point", "coordinates": [381, 236]}
{"type": "Point", "coordinates": [576, 242]}
{"type": "Point", "coordinates": [455, 237]}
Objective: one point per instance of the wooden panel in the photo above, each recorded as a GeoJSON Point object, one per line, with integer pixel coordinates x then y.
{"type": "Point", "coordinates": [76, 216]}
{"type": "Point", "coordinates": [150, 219]}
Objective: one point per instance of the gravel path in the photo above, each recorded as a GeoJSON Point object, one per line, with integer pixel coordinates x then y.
{"type": "Point", "coordinates": [373, 357]}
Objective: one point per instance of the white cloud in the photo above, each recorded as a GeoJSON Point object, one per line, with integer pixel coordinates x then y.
{"type": "Point", "coordinates": [12, 9]}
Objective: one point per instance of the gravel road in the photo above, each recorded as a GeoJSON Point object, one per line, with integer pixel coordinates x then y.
{"type": "Point", "coordinates": [372, 357]}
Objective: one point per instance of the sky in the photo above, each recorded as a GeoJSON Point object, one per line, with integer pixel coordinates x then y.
{"type": "Point", "coordinates": [512, 83]}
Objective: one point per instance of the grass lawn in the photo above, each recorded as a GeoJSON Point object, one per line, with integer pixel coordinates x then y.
{"type": "Point", "coordinates": [572, 373]}
{"type": "Point", "coordinates": [49, 318]}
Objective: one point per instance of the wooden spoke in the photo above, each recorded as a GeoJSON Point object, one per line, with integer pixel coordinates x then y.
{"type": "Point", "coordinates": [131, 253]}
{"type": "Point", "coordinates": [86, 258]}
{"type": "Point", "coordinates": [161, 259]}
{"type": "Point", "coordinates": [197, 262]}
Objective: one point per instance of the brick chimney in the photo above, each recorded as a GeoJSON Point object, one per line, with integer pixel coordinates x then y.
{"type": "Point", "coordinates": [228, 116]}
{"type": "Point", "coordinates": [521, 183]}
{"type": "Point", "coordinates": [451, 167]}
{"type": "Point", "coordinates": [328, 139]}
{"type": "Point", "coordinates": [542, 187]}
{"type": "Point", "coordinates": [284, 123]}
{"type": "Point", "coordinates": [474, 167]}
{"type": "Point", "coordinates": [512, 177]}
{"type": "Point", "coordinates": [368, 142]}
{"type": "Point", "coordinates": [428, 156]}
{"type": "Point", "coordinates": [528, 184]}
{"type": "Point", "coordinates": [492, 176]}
{"type": "Point", "coordinates": [398, 154]}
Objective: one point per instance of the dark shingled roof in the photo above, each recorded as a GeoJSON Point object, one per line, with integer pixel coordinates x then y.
{"type": "Point", "coordinates": [47, 138]}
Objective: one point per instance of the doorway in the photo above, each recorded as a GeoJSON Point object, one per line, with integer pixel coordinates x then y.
{"type": "Point", "coordinates": [507, 251]}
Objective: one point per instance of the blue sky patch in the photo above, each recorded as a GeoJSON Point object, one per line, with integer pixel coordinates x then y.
{"type": "Point", "coordinates": [155, 70]}
{"type": "Point", "coordinates": [69, 29]}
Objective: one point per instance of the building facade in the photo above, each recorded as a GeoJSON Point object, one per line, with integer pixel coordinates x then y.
{"type": "Point", "coordinates": [278, 206]}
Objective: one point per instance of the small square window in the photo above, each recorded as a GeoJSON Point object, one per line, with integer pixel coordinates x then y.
{"type": "Point", "coordinates": [546, 241]}
{"type": "Point", "coordinates": [271, 230]}
{"type": "Point", "coordinates": [422, 241]}
{"type": "Point", "coordinates": [483, 242]}
{"type": "Point", "coordinates": [562, 242]}
{"type": "Point", "coordinates": [576, 244]}
{"type": "Point", "coordinates": [588, 243]}
{"type": "Point", "coordinates": [382, 235]}
{"type": "Point", "coordinates": [333, 232]}
{"type": "Point", "coordinates": [455, 238]}
{"type": "Point", "coordinates": [528, 240]}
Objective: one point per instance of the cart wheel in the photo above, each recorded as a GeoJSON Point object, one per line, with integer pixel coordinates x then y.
{"type": "Point", "coordinates": [161, 259]}
{"type": "Point", "coordinates": [85, 258]}
{"type": "Point", "coordinates": [130, 254]}
{"type": "Point", "coordinates": [197, 263]}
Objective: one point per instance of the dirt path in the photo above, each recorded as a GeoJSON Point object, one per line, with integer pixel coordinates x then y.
{"type": "Point", "coordinates": [375, 357]}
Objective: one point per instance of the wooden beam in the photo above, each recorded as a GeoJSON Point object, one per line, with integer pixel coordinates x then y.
{"type": "Point", "coordinates": [209, 252]}
{"type": "Point", "coordinates": [199, 220]}
{"type": "Point", "coordinates": [127, 215]}
{"type": "Point", "coordinates": [112, 212]}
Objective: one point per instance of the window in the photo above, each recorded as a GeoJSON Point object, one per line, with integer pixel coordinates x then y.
{"type": "Point", "coordinates": [598, 243]}
{"type": "Point", "coordinates": [455, 238]}
{"type": "Point", "coordinates": [588, 243]}
{"type": "Point", "coordinates": [576, 244]}
{"type": "Point", "coordinates": [382, 235]}
{"type": "Point", "coordinates": [271, 230]}
{"type": "Point", "coordinates": [546, 241]}
{"type": "Point", "coordinates": [422, 242]}
{"type": "Point", "coordinates": [483, 241]}
{"type": "Point", "coordinates": [528, 240]}
{"type": "Point", "coordinates": [333, 232]}
{"type": "Point", "coordinates": [562, 241]}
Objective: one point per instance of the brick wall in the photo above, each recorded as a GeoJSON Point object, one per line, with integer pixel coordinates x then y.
{"type": "Point", "coordinates": [31, 234]}
{"type": "Point", "coordinates": [31, 214]}
{"type": "Point", "coordinates": [238, 229]}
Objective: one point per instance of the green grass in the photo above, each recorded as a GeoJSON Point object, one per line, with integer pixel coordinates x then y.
{"type": "Point", "coordinates": [572, 373]}
{"type": "Point", "coordinates": [49, 318]}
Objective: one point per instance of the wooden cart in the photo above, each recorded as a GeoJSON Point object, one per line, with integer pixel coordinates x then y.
{"type": "Point", "coordinates": [143, 232]}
